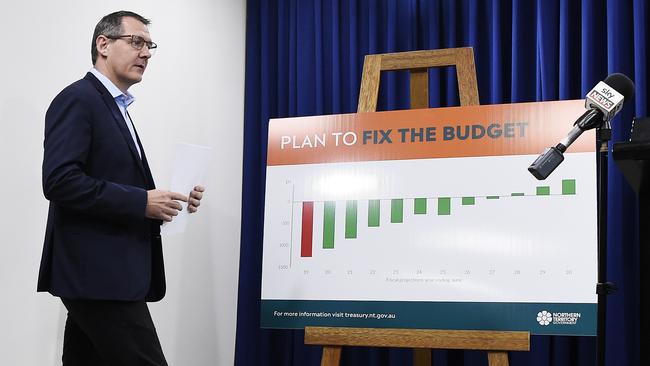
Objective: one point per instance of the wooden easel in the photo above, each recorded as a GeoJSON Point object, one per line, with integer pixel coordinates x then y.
{"type": "Point", "coordinates": [496, 343]}
{"type": "Point", "coordinates": [418, 63]}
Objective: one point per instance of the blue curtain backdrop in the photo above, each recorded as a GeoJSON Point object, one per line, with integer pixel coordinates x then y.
{"type": "Point", "coordinates": [305, 57]}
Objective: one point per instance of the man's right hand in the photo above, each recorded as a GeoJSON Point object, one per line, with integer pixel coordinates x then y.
{"type": "Point", "coordinates": [163, 205]}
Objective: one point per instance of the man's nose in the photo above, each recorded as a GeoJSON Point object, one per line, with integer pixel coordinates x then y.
{"type": "Point", "coordinates": [144, 52]}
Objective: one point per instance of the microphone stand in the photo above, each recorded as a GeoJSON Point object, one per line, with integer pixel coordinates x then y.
{"type": "Point", "coordinates": [603, 288]}
{"type": "Point", "coordinates": [546, 163]}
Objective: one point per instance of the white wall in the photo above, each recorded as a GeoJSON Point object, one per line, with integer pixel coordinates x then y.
{"type": "Point", "coordinates": [193, 91]}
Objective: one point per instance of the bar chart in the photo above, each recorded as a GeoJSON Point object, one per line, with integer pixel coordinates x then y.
{"type": "Point", "coordinates": [453, 229]}
{"type": "Point", "coordinates": [420, 205]}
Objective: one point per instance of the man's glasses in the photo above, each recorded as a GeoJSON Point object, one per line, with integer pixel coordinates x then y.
{"type": "Point", "coordinates": [137, 42]}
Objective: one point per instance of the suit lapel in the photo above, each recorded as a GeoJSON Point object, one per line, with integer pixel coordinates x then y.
{"type": "Point", "coordinates": [119, 120]}
{"type": "Point", "coordinates": [145, 164]}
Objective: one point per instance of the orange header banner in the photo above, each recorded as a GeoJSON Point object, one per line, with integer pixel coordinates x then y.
{"type": "Point", "coordinates": [489, 130]}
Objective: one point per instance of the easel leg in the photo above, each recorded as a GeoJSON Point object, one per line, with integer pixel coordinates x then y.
{"type": "Point", "coordinates": [498, 358]}
{"type": "Point", "coordinates": [331, 356]}
{"type": "Point", "coordinates": [421, 357]}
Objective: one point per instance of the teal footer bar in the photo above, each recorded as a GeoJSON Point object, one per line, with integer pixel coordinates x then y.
{"type": "Point", "coordinates": [537, 318]}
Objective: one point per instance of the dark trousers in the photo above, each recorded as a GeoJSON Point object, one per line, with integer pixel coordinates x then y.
{"type": "Point", "coordinates": [110, 333]}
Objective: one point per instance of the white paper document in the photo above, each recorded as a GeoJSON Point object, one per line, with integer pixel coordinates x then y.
{"type": "Point", "coordinates": [190, 165]}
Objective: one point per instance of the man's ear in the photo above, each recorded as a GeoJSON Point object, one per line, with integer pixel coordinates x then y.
{"type": "Point", "coordinates": [102, 43]}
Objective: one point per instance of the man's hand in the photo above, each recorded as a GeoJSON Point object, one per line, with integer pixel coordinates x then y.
{"type": "Point", "coordinates": [195, 199]}
{"type": "Point", "coordinates": [163, 205]}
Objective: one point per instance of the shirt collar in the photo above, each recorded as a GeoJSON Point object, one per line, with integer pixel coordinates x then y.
{"type": "Point", "coordinates": [121, 98]}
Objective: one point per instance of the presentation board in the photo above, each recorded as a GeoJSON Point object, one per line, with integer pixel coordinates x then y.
{"type": "Point", "coordinates": [429, 219]}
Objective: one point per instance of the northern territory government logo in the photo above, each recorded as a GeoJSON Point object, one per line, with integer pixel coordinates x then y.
{"type": "Point", "coordinates": [546, 317]}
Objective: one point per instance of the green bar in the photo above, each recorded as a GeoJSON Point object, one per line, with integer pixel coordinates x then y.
{"type": "Point", "coordinates": [468, 201]}
{"type": "Point", "coordinates": [420, 206]}
{"type": "Point", "coordinates": [373, 213]}
{"type": "Point", "coordinates": [517, 194]}
{"type": "Point", "coordinates": [397, 210]}
{"type": "Point", "coordinates": [444, 206]}
{"type": "Point", "coordinates": [543, 190]}
{"type": "Point", "coordinates": [492, 197]}
{"type": "Point", "coordinates": [328, 224]}
{"type": "Point", "coordinates": [568, 186]}
{"type": "Point", "coordinates": [351, 219]}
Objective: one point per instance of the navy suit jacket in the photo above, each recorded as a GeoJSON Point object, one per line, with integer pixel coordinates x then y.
{"type": "Point", "coordinates": [98, 242]}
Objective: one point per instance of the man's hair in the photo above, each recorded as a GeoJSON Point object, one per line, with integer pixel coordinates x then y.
{"type": "Point", "coordinates": [111, 25]}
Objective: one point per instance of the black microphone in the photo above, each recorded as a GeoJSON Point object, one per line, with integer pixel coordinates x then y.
{"type": "Point", "coordinates": [602, 103]}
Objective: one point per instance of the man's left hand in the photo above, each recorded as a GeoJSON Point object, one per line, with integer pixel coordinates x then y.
{"type": "Point", "coordinates": [195, 199]}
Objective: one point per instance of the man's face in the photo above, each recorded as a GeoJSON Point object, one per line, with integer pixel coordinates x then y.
{"type": "Point", "coordinates": [124, 64]}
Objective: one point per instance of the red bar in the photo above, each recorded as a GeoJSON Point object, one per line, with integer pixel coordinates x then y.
{"type": "Point", "coordinates": [307, 229]}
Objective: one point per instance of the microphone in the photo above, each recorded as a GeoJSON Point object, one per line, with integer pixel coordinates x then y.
{"type": "Point", "coordinates": [603, 102]}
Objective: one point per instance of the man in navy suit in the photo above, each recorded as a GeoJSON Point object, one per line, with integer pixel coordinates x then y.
{"type": "Point", "coordinates": [102, 253]}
